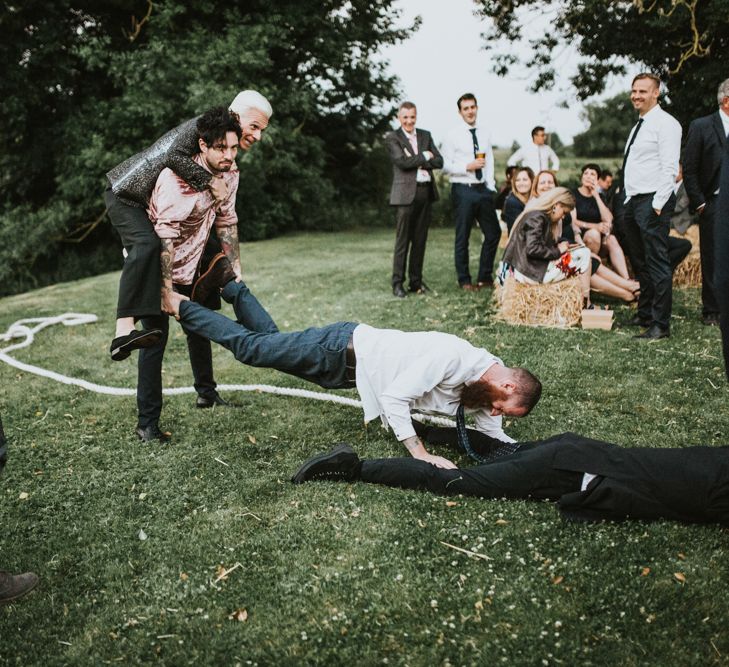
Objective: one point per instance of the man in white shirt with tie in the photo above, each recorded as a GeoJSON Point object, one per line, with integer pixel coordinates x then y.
{"type": "Point", "coordinates": [650, 167]}
{"type": "Point", "coordinates": [469, 160]}
{"type": "Point", "coordinates": [414, 156]}
{"type": "Point", "coordinates": [537, 156]}
{"type": "Point", "coordinates": [395, 372]}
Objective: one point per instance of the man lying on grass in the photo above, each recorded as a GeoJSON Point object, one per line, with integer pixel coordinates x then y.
{"type": "Point", "coordinates": [591, 480]}
{"type": "Point", "coordinates": [394, 371]}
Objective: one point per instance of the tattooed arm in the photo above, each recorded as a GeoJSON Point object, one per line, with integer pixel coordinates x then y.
{"type": "Point", "coordinates": [228, 237]}
{"type": "Point", "coordinates": [167, 261]}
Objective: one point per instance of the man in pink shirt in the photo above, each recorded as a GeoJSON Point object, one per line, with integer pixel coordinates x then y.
{"type": "Point", "coordinates": [183, 219]}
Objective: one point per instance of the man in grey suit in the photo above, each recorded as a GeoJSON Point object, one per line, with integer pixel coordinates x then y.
{"type": "Point", "coordinates": [701, 165]}
{"type": "Point", "coordinates": [414, 156]}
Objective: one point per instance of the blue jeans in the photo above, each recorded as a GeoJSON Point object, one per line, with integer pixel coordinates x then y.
{"type": "Point", "coordinates": [469, 204]}
{"type": "Point", "coordinates": [149, 375]}
{"type": "Point", "coordinates": [318, 355]}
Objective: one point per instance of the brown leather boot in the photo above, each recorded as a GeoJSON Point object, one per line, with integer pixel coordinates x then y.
{"type": "Point", "coordinates": [219, 274]}
{"type": "Point", "coordinates": [14, 586]}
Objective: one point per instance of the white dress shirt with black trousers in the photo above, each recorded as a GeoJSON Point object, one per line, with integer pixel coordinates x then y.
{"type": "Point", "coordinates": [651, 156]}
{"type": "Point", "coordinates": [473, 195]}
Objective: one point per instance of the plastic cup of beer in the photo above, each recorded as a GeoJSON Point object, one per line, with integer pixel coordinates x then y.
{"type": "Point", "coordinates": [480, 155]}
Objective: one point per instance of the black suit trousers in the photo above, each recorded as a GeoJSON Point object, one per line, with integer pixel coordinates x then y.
{"type": "Point", "coordinates": [513, 476]}
{"type": "Point", "coordinates": [411, 235]}
{"type": "Point", "coordinates": [648, 240]}
{"type": "Point", "coordinates": [709, 305]}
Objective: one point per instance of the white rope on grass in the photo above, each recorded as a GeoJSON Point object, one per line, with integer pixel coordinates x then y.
{"type": "Point", "coordinates": [26, 330]}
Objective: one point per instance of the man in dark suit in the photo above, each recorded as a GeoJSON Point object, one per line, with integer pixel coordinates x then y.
{"type": "Point", "coordinates": [414, 156]}
{"type": "Point", "coordinates": [701, 165]}
{"type": "Point", "coordinates": [590, 479]}
{"type": "Point", "coordinates": [721, 254]}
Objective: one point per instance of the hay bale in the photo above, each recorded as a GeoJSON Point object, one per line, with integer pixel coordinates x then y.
{"type": "Point", "coordinates": [688, 272]}
{"type": "Point", "coordinates": [552, 305]}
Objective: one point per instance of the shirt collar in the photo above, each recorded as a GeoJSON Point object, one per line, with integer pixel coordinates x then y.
{"type": "Point", "coordinates": [658, 106]}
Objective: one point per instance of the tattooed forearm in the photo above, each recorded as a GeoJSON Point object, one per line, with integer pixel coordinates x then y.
{"type": "Point", "coordinates": [228, 237]}
{"type": "Point", "coordinates": [412, 443]}
{"type": "Point", "coordinates": [167, 261]}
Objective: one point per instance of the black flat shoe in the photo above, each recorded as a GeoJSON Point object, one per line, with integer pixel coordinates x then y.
{"type": "Point", "coordinates": [206, 402]}
{"type": "Point", "coordinates": [153, 432]}
{"type": "Point", "coordinates": [654, 332]}
{"type": "Point", "coordinates": [399, 292]}
{"type": "Point", "coordinates": [122, 346]}
{"type": "Point", "coordinates": [638, 321]}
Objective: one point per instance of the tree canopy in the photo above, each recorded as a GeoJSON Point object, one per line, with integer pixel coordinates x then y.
{"type": "Point", "coordinates": [86, 85]}
{"type": "Point", "coordinates": [609, 124]}
{"type": "Point", "coordinates": [683, 41]}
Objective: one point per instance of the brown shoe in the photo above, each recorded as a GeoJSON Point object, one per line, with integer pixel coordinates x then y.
{"type": "Point", "coordinates": [469, 287]}
{"type": "Point", "coordinates": [14, 586]}
{"type": "Point", "coordinates": [219, 274]}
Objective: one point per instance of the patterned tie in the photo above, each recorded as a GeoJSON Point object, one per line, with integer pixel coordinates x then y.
{"type": "Point", "coordinates": [479, 172]}
{"type": "Point", "coordinates": [502, 449]}
{"type": "Point", "coordinates": [630, 144]}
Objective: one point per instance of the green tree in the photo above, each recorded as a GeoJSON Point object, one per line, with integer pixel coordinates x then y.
{"type": "Point", "coordinates": [87, 84]}
{"type": "Point", "coordinates": [684, 41]}
{"type": "Point", "coordinates": [609, 124]}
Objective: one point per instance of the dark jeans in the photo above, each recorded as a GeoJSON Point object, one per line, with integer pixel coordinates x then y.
{"type": "Point", "coordinates": [140, 282]}
{"type": "Point", "coordinates": [318, 355]}
{"type": "Point", "coordinates": [512, 476]}
{"type": "Point", "coordinates": [411, 233]}
{"type": "Point", "coordinates": [709, 305]}
{"type": "Point", "coordinates": [469, 204]}
{"type": "Point", "coordinates": [648, 234]}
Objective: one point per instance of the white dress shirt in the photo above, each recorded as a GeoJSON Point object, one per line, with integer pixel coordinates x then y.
{"type": "Point", "coordinates": [652, 165]}
{"type": "Point", "coordinates": [536, 157]}
{"type": "Point", "coordinates": [458, 152]}
{"type": "Point", "coordinates": [422, 371]}
{"type": "Point", "coordinates": [422, 175]}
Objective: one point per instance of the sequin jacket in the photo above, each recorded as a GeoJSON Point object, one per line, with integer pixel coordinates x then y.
{"type": "Point", "coordinates": [133, 180]}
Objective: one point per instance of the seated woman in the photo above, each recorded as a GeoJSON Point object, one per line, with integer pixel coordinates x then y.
{"type": "Point", "coordinates": [521, 187]}
{"type": "Point", "coordinates": [592, 219]}
{"type": "Point", "coordinates": [546, 180]}
{"type": "Point", "coordinates": [535, 255]}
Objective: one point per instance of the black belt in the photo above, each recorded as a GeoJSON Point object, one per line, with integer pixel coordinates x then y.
{"type": "Point", "coordinates": [423, 184]}
{"type": "Point", "coordinates": [477, 186]}
{"type": "Point", "coordinates": [351, 372]}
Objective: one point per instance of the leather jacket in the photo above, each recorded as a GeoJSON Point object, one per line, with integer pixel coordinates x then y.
{"type": "Point", "coordinates": [532, 245]}
{"type": "Point", "coordinates": [133, 180]}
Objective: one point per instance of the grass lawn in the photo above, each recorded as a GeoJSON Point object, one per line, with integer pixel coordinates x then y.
{"type": "Point", "coordinates": [333, 573]}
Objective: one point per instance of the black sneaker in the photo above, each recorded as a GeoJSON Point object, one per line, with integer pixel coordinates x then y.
{"type": "Point", "coordinates": [341, 463]}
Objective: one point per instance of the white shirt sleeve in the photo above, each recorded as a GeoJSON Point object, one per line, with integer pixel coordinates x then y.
{"type": "Point", "coordinates": [516, 158]}
{"type": "Point", "coordinates": [408, 386]}
{"type": "Point", "coordinates": [453, 162]}
{"type": "Point", "coordinates": [491, 426]}
{"type": "Point", "coordinates": [553, 157]}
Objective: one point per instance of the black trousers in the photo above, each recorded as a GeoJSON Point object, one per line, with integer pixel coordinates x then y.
{"type": "Point", "coordinates": [512, 476]}
{"type": "Point", "coordinates": [149, 363]}
{"type": "Point", "coordinates": [647, 235]}
{"type": "Point", "coordinates": [140, 282]}
{"type": "Point", "coordinates": [469, 204]}
{"type": "Point", "coordinates": [411, 235]}
{"type": "Point", "coordinates": [721, 256]}
{"type": "Point", "coordinates": [709, 305]}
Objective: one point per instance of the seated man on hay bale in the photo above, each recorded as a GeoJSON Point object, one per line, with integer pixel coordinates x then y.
{"type": "Point", "coordinates": [395, 372]}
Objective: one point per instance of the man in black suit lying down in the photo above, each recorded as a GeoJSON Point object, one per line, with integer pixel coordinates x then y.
{"type": "Point", "coordinates": [591, 480]}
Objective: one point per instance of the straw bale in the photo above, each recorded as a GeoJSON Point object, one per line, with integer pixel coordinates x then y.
{"type": "Point", "coordinates": [688, 272]}
{"type": "Point", "coordinates": [552, 305]}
